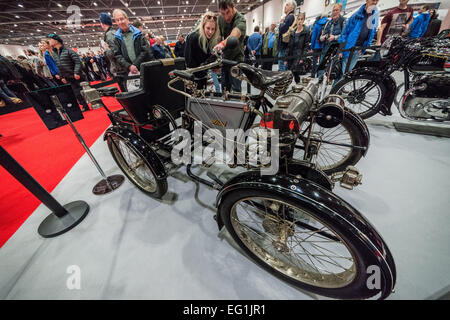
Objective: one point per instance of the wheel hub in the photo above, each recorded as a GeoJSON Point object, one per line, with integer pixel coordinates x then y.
{"type": "Point", "coordinates": [356, 97]}
{"type": "Point", "coordinates": [279, 228]}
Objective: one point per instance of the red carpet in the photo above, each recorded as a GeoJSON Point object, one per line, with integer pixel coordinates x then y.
{"type": "Point", "coordinates": [47, 155]}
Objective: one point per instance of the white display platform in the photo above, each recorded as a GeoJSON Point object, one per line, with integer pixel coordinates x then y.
{"type": "Point", "coordinates": [131, 246]}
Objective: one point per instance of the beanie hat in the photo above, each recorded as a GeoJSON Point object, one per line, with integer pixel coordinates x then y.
{"type": "Point", "coordinates": [54, 36]}
{"type": "Point", "coordinates": [105, 19]}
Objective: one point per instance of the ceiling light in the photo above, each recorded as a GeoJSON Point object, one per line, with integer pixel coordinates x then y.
{"type": "Point", "coordinates": [38, 30]}
{"type": "Point", "coordinates": [159, 2]}
{"type": "Point", "coordinates": [126, 4]}
{"type": "Point", "coordinates": [59, 5]}
{"type": "Point", "coordinates": [49, 15]}
{"type": "Point", "coordinates": [95, 4]}
{"type": "Point", "coordinates": [17, 17]}
{"type": "Point", "coordinates": [11, 31]}
{"type": "Point", "coordinates": [20, 5]}
{"type": "Point", "coordinates": [81, 14]}
{"type": "Point", "coordinates": [15, 25]}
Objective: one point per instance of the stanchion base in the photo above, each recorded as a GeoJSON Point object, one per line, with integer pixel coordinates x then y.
{"type": "Point", "coordinates": [53, 225]}
{"type": "Point", "coordinates": [103, 188]}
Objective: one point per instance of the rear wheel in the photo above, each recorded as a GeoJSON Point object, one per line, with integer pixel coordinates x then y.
{"type": "Point", "coordinates": [294, 242]}
{"type": "Point", "coordinates": [333, 148]}
{"type": "Point", "coordinates": [135, 167]}
{"type": "Point", "coordinates": [361, 94]}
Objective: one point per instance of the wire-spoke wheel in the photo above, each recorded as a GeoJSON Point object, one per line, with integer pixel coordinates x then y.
{"type": "Point", "coordinates": [136, 167]}
{"type": "Point", "coordinates": [295, 243]}
{"type": "Point", "coordinates": [333, 149]}
{"type": "Point", "coordinates": [362, 94]}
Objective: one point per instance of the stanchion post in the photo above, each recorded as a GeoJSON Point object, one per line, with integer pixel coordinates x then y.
{"type": "Point", "coordinates": [106, 185]}
{"type": "Point", "coordinates": [62, 218]}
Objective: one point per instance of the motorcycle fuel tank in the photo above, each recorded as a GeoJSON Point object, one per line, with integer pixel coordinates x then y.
{"type": "Point", "coordinates": [430, 63]}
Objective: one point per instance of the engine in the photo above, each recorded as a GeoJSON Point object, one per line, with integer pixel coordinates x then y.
{"type": "Point", "coordinates": [427, 100]}
{"type": "Point", "coordinates": [292, 109]}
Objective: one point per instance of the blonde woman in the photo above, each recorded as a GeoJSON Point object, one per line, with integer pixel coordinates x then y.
{"type": "Point", "coordinates": [200, 42]}
{"type": "Point", "coordinates": [298, 45]}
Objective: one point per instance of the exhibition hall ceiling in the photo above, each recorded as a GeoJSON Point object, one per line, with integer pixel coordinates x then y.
{"type": "Point", "coordinates": [24, 22]}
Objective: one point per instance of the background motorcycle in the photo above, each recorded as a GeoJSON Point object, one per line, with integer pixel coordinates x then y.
{"type": "Point", "coordinates": [370, 88]}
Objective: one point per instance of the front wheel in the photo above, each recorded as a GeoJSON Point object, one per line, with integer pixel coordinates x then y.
{"type": "Point", "coordinates": [299, 244]}
{"type": "Point", "coordinates": [333, 149]}
{"type": "Point", "coordinates": [362, 94]}
{"type": "Point", "coordinates": [136, 167]}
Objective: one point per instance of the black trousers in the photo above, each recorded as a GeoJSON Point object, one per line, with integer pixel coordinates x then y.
{"type": "Point", "coordinates": [267, 65]}
{"type": "Point", "coordinates": [76, 88]}
{"type": "Point", "coordinates": [121, 82]}
{"type": "Point", "coordinates": [229, 82]}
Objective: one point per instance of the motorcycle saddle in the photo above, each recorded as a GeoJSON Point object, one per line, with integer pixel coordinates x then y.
{"type": "Point", "coordinates": [108, 91]}
{"type": "Point", "coordinates": [262, 79]}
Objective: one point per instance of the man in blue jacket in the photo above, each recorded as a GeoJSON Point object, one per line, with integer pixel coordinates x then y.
{"type": "Point", "coordinates": [359, 31]}
{"type": "Point", "coordinates": [316, 44]}
{"type": "Point", "coordinates": [420, 23]}
{"type": "Point", "coordinates": [285, 24]}
{"type": "Point", "coordinates": [254, 45]}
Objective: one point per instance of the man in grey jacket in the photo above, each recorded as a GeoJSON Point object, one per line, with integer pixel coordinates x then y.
{"type": "Point", "coordinates": [119, 72]}
{"type": "Point", "coordinates": [131, 49]}
{"type": "Point", "coordinates": [69, 67]}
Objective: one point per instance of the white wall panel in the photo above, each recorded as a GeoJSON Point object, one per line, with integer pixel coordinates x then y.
{"type": "Point", "coordinates": [14, 50]}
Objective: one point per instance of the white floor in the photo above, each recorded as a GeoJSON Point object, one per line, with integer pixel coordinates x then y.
{"type": "Point", "coordinates": [131, 246]}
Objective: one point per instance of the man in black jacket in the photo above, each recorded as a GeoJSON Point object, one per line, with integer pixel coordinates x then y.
{"type": "Point", "coordinates": [69, 67]}
{"type": "Point", "coordinates": [285, 24]}
{"type": "Point", "coordinates": [131, 48]}
{"type": "Point", "coordinates": [179, 46]}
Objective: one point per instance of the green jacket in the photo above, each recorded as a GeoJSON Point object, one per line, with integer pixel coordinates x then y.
{"type": "Point", "coordinates": [266, 44]}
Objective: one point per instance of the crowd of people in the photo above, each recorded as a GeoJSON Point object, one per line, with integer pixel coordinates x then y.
{"type": "Point", "coordinates": [290, 44]}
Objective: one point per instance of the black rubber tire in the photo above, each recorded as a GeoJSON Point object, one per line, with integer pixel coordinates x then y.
{"type": "Point", "coordinates": [369, 112]}
{"type": "Point", "coordinates": [364, 257]}
{"type": "Point", "coordinates": [161, 184]}
{"type": "Point", "coordinates": [357, 140]}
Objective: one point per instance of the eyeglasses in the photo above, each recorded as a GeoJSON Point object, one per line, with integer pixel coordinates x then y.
{"type": "Point", "coordinates": [210, 16]}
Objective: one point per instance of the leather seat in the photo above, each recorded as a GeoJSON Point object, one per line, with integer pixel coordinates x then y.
{"type": "Point", "coordinates": [153, 91]}
{"type": "Point", "coordinates": [262, 79]}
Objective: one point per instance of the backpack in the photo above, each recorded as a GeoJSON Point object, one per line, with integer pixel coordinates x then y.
{"type": "Point", "coordinates": [286, 37]}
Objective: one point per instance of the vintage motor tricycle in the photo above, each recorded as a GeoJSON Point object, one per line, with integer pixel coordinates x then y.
{"type": "Point", "coordinates": [288, 222]}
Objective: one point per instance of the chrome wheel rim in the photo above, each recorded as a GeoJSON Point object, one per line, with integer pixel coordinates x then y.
{"type": "Point", "coordinates": [329, 156]}
{"type": "Point", "coordinates": [371, 98]}
{"type": "Point", "coordinates": [133, 165]}
{"type": "Point", "coordinates": [315, 255]}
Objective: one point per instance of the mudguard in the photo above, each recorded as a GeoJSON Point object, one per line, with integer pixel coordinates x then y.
{"type": "Point", "coordinates": [140, 146]}
{"type": "Point", "coordinates": [387, 81]}
{"type": "Point", "coordinates": [359, 122]}
{"type": "Point", "coordinates": [307, 171]}
{"type": "Point", "coordinates": [330, 205]}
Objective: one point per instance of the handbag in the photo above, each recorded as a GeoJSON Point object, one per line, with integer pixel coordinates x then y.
{"type": "Point", "coordinates": [286, 37]}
